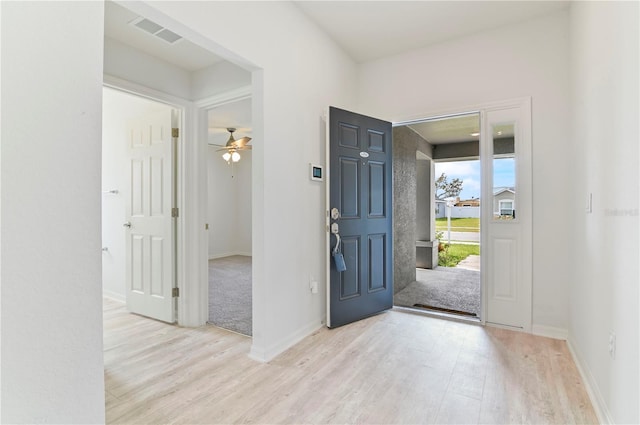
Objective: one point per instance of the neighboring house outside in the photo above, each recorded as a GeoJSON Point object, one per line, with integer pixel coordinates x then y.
{"type": "Point", "coordinates": [504, 205]}
{"type": "Point", "coordinates": [473, 202]}
{"type": "Point", "coordinates": [461, 209]}
{"type": "Point", "coordinates": [504, 202]}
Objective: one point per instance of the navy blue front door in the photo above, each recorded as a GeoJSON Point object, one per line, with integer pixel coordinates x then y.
{"type": "Point", "coordinates": [361, 190]}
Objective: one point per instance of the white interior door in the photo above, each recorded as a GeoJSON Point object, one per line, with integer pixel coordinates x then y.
{"type": "Point", "coordinates": [507, 232]}
{"type": "Point", "coordinates": [150, 231]}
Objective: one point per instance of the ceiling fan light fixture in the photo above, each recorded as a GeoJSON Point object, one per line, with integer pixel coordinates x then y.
{"type": "Point", "coordinates": [233, 146]}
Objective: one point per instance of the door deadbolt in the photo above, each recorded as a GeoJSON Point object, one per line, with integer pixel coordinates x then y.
{"type": "Point", "coordinates": [334, 228]}
{"type": "Point", "coordinates": [335, 213]}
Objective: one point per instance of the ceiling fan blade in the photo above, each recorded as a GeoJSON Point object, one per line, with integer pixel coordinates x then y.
{"type": "Point", "coordinates": [214, 144]}
{"type": "Point", "coordinates": [242, 142]}
{"type": "Point", "coordinates": [245, 148]}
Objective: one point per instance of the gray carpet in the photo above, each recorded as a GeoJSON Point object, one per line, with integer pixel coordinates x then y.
{"type": "Point", "coordinates": [230, 293]}
{"type": "Point", "coordinates": [445, 287]}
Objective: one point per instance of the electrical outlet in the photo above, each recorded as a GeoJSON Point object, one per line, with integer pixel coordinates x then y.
{"type": "Point", "coordinates": [612, 345]}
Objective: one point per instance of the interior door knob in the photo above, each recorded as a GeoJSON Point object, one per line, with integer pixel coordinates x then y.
{"type": "Point", "coordinates": [127, 224]}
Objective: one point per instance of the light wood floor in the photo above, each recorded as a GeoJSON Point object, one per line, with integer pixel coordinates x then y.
{"type": "Point", "coordinates": [396, 367]}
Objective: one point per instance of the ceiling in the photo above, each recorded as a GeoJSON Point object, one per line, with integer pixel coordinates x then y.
{"type": "Point", "coordinates": [183, 53]}
{"type": "Point", "coordinates": [382, 28]}
{"type": "Point", "coordinates": [369, 30]}
{"type": "Point", "coordinates": [455, 129]}
{"type": "Point", "coordinates": [449, 130]}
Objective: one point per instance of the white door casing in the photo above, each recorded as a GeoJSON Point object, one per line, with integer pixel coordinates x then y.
{"type": "Point", "coordinates": [507, 243]}
{"type": "Point", "coordinates": [150, 239]}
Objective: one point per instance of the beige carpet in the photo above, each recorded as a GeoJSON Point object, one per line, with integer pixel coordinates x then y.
{"type": "Point", "coordinates": [230, 293]}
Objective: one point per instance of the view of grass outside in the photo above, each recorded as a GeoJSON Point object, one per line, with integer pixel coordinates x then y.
{"type": "Point", "coordinates": [454, 253]}
{"type": "Point", "coordinates": [459, 224]}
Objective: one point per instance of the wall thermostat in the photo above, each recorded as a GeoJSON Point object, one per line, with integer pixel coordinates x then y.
{"type": "Point", "coordinates": [316, 172]}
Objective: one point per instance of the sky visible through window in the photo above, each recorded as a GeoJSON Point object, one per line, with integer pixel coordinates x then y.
{"type": "Point", "coordinates": [469, 173]}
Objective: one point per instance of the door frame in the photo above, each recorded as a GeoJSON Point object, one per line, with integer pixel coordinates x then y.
{"type": "Point", "coordinates": [191, 259]}
{"type": "Point", "coordinates": [524, 106]}
{"type": "Point", "coordinates": [184, 108]}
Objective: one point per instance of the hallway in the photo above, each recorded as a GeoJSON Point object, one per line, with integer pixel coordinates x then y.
{"type": "Point", "coordinates": [392, 368]}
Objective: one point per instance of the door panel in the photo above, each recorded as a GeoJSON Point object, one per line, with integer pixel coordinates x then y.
{"type": "Point", "coordinates": [349, 176]}
{"type": "Point", "coordinates": [376, 193]}
{"type": "Point", "coordinates": [507, 233]}
{"type": "Point", "coordinates": [377, 263]}
{"type": "Point", "coordinates": [360, 188]}
{"type": "Point", "coordinates": [504, 269]}
{"type": "Point", "coordinates": [350, 284]}
{"type": "Point", "coordinates": [150, 238]}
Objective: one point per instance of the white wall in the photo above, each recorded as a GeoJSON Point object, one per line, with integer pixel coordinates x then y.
{"type": "Point", "coordinates": [229, 205]}
{"type": "Point", "coordinates": [125, 62]}
{"type": "Point", "coordinates": [527, 59]}
{"type": "Point", "coordinates": [605, 248]}
{"type": "Point", "coordinates": [52, 368]}
{"type": "Point", "coordinates": [130, 64]}
{"type": "Point", "coordinates": [118, 109]}
{"type": "Point", "coordinates": [297, 77]}
{"type": "Point", "coordinates": [218, 78]}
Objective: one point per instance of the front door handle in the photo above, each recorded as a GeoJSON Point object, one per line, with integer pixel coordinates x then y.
{"type": "Point", "coordinates": [127, 224]}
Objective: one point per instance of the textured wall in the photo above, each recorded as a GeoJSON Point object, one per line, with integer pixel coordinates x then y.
{"type": "Point", "coordinates": [405, 144]}
{"type": "Point", "coordinates": [425, 204]}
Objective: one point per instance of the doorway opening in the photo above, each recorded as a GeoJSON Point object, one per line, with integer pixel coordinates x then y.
{"type": "Point", "coordinates": [229, 216]}
{"type": "Point", "coordinates": [438, 246]}
{"type": "Point", "coordinates": [193, 76]}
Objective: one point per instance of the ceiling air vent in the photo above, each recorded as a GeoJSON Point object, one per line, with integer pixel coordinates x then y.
{"type": "Point", "coordinates": [156, 30]}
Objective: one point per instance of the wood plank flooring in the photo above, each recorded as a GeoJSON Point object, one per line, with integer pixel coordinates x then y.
{"type": "Point", "coordinates": [396, 367]}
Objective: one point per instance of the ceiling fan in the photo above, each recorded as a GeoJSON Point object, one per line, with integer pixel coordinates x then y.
{"type": "Point", "coordinates": [232, 147]}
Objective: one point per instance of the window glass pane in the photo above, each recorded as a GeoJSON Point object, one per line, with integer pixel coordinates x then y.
{"type": "Point", "coordinates": [504, 172]}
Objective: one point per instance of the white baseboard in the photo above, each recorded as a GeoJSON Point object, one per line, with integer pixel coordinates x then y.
{"type": "Point", "coordinates": [550, 332]}
{"type": "Point", "coordinates": [597, 400]}
{"type": "Point", "coordinates": [265, 354]}
{"type": "Point", "coordinates": [114, 296]}
{"type": "Point", "coordinates": [229, 254]}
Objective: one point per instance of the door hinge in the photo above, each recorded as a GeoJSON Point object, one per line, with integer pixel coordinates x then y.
{"type": "Point", "coordinates": [175, 212]}
{"type": "Point", "coordinates": [175, 292]}
{"type": "Point", "coordinates": [175, 132]}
